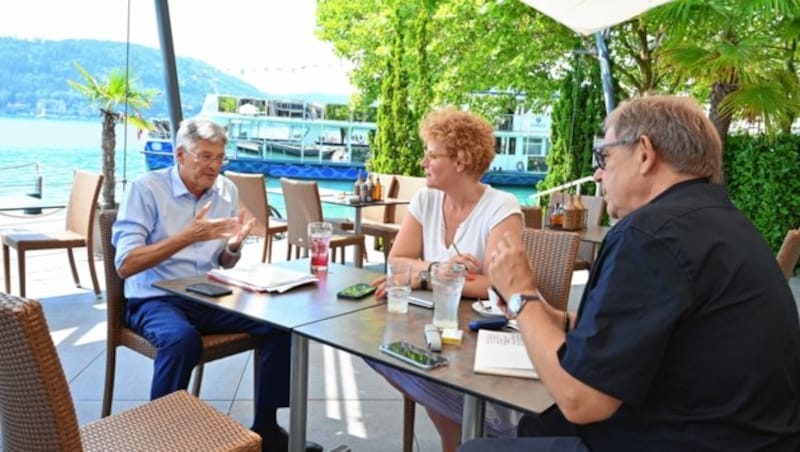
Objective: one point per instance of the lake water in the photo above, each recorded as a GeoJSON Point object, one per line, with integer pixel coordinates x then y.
{"type": "Point", "coordinates": [53, 148]}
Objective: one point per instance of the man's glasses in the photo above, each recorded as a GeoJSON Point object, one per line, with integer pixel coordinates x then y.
{"type": "Point", "coordinates": [599, 153]}
{"type": "Point", "coordinates": [207, 159]}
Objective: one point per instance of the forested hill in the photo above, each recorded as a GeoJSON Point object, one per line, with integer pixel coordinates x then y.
{"type": "Point", "coordinates": [34, 74]}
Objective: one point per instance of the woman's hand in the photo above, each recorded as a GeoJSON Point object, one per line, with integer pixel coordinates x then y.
{"type": "Point", "coordinates": [470, 263]}
{"type": "Point", "coordinates": [380, 283]}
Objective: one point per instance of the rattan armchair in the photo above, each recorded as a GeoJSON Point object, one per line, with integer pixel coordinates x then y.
{"type": "Point", "coordinates": [253, 197]}
{"type": "Point", "coordinates": [37, 411]}
{"type": "Point", "coordinates": [215, 346]}
{"type": "Point", "coordinates": [79, 232]}
{"type": "Point", "coordinates": [789, 253]}
{"type": "Point", "coordinates": [552, 255]}
{"type": "Point", "coordinates": [303, 206]}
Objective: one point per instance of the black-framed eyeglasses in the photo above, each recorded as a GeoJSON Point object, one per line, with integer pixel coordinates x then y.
{"type": "Point", "coordinates": [207, 159]}
{"type": "Point", "coordinates": [599, 155]}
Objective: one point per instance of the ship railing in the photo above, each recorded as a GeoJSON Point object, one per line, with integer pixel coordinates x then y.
{"type": "Point", "coordinates": [577, 183]}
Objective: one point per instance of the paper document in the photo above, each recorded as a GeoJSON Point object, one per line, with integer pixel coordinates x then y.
{"type": "Point", "coordinates": [502, 353]}
{"type": "Point", "coordinates": [262, 277]}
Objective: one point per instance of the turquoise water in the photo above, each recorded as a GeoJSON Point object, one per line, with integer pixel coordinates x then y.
{"type": "Point", "coordinates": [52, 149]}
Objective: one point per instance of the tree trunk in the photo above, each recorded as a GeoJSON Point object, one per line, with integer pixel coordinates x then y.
{"type": "Point", "coordinates": [722, 122]}
{"type": "Point", "coordinates": [109, 144]}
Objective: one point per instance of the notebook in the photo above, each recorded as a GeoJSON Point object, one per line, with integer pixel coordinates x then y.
{"type": "Point", "coordinates": [502, 353]}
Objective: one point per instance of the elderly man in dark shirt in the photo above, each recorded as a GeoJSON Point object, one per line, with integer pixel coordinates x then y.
{"type": "Point", "coordinates": [687, 334]}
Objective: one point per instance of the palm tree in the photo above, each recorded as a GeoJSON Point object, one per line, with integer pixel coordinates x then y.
{"type": "Point", "coordinates": [109, 96]}
{"type": "Point", "coordinates": [740, 55]}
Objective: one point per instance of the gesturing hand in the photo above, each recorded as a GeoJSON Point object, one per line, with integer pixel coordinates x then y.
{"type": "Point", "coordinates": [243, 227]}
{"type": "Point", "coordinates": [216, 228]}
{"type": "Point", "coordinates": [510, 269]}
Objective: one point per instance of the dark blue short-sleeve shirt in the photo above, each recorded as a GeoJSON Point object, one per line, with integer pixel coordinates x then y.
{"type": "Point", "coordinates": [687, 319]}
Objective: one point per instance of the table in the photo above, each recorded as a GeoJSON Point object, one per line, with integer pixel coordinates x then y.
{"type": "Point", "coordinates": [24, 202]}
{"type": "Point", "coordinates": [288, 311]}
{"type": "Point", "coordinates": [336, 200]}
{"type": "Point", "coordinates": [377, 326]}
{"type": "Point", "coordinates": [593, 233]}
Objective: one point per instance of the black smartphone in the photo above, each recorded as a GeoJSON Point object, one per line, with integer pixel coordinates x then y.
{"type": "Point", "coordinates": [209, 290]}
{"type": "Point", "coordinates": [414, 355]}
{"type": "Point", "coordinates": [356, 291]}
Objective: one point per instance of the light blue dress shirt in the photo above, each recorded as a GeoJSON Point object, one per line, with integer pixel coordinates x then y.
{"type": "Point", "coordinates": [157, 206]}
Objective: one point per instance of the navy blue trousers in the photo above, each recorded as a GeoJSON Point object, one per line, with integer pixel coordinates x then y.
{"type": "Point", "coordinates": [175, 325]}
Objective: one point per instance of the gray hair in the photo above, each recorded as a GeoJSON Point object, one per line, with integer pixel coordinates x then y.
{"type": "Point", "coordinates": [195, 129]}
{"type": "Point", "coordinates": [678, 129]}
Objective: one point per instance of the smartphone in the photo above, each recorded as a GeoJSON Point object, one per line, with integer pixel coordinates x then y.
{"type": "Point", "coordinates": [209, 290]}
{"type": "Point", "coordinates": [356, 291]}
{"type": "Point", "coordinates": [414, 355]}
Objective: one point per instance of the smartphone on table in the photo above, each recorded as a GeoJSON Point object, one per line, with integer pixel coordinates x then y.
{"type": "Point", "coordinates": [356, 291]}
{"type": "Point", "coordinates": [414, 355]}
{"type": "Point", "coordinates": [209, 290]}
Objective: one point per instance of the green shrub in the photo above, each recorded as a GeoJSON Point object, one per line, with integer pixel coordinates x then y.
{"type": "Point", "coordinates": [763, 178]}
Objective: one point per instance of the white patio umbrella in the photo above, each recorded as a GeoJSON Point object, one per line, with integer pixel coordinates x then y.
{"type": "Point", "coordinates": [588, 16]}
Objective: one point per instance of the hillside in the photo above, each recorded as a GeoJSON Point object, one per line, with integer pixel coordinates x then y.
{"type": "Point", "coordinates": [34, 74]}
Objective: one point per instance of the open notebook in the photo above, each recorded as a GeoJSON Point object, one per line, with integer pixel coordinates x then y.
{"type": "Point", "coordinates": [262, 277]}
{"type": "Point", "coordinates": [502, 353]}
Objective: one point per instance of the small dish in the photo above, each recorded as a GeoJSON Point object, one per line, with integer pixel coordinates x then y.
{"type": "Point", "coordinates": [352, 199]}
{"type": "Point", "coordinates": [486, 308]}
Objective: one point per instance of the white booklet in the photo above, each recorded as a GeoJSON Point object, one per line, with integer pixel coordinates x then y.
{"type": "Point", "coordinates": [262, 277]}
{"type": "Point", "coordinates": [502, 353]}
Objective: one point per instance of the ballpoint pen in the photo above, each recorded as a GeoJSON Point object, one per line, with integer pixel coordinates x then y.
{"type": "Point", "coordinates": [470, 273]}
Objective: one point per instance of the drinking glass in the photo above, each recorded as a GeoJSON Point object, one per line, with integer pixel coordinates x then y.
{"type": "Point", "coordinates": [398, 286]}
{"type": "Point", "coordinates": [319, 236]}
{"type": "Point", "coordinates": [448, 281]}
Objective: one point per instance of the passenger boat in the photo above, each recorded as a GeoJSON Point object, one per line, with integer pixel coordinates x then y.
{"type": "Point", "coordinates": [292, 139]}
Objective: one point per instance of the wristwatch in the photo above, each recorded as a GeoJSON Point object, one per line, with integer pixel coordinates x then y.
{"type": "Point", "coordinates": [424, 276]}
{"type": "Point", "coordinates": [518, 300]}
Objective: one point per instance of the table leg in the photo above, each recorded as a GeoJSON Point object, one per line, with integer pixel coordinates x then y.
{"type": "Point", "coordinates": [298, 393]}
{"type": "Point", "coordinates": [357, 221]}
{"type": "Point", "coordinates": [473, 416]}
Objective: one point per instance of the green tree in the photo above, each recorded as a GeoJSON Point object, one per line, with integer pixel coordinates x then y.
{"type": "Point", "coordinates": [110, 96]}
{"type": "Point", "coordinates": [739, 56]}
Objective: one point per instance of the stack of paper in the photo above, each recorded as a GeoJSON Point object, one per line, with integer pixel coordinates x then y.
{"type": "Point", "coordinates": [502, 353]}
{"type": "Point", "coordinates": [262, 277]}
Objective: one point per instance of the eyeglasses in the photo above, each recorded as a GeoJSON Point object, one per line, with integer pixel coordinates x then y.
{"type": "Point", "coordinates": [433, 155]}
{"type": "Point", "coordinates": [599, 156]}
{"type": "Point", "coordinates": [207, 159]}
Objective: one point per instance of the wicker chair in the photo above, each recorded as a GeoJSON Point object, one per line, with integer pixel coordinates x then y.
{"type": "Point", "coordinates": [552, 255]}
{"type": "Point", "coordinates": [78, 233]}
{"type": "Point", "coordinates": [302, 207]}
{"type": "Point", "coordinates": [215, 346]}
{"type": "Point", "coordinates": [378, 221]}
{"type": "Point", "coordinates": [789, 253]}
{"type": "Point", "coordinates": [253, 197]}
{"type": "Point", "coordinates": [37, 411]}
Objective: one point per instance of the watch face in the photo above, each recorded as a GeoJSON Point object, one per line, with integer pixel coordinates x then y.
{"type": "Point", "coordinates": [423, 275]}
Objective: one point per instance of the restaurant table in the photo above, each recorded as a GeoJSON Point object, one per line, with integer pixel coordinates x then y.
{"type": "Point", "coordinates": [593, 233]}
{"type": "Point", "coordinates": [24, 202]}
{"type": "Point", "coordinates": [339, 201]}
{"type": "Point", "coordinates": [287, 311]}
{"type": "Point", "coordinates": [362, 332]}
{"type": "Point", "coordinates": [339, 198]}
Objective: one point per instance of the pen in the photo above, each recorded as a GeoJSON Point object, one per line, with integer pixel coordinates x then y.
{"type": "Point", "coordinates": [470, 274]}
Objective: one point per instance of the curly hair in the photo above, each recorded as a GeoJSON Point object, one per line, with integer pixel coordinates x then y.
{"type": "Point", "coordinates": [464, 135]}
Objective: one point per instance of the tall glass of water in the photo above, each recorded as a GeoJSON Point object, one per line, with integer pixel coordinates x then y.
{"type": "Point", "coordinates": [398, 286]}
{"type": "Point", "coordinates": [448, 281]}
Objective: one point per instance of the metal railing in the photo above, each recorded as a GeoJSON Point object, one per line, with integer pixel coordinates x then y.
{"type": "Point", "coordinates": [575, 183]}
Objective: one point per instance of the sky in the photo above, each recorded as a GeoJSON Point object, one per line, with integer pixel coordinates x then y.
{"type": "Point", "coordinates": [269, 43]}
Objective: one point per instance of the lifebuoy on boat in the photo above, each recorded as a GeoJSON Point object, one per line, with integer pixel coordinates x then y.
{"type": "Point", "coordinates": [339, 156]}
{"type": "Point", "coordinates": [520, 166]}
